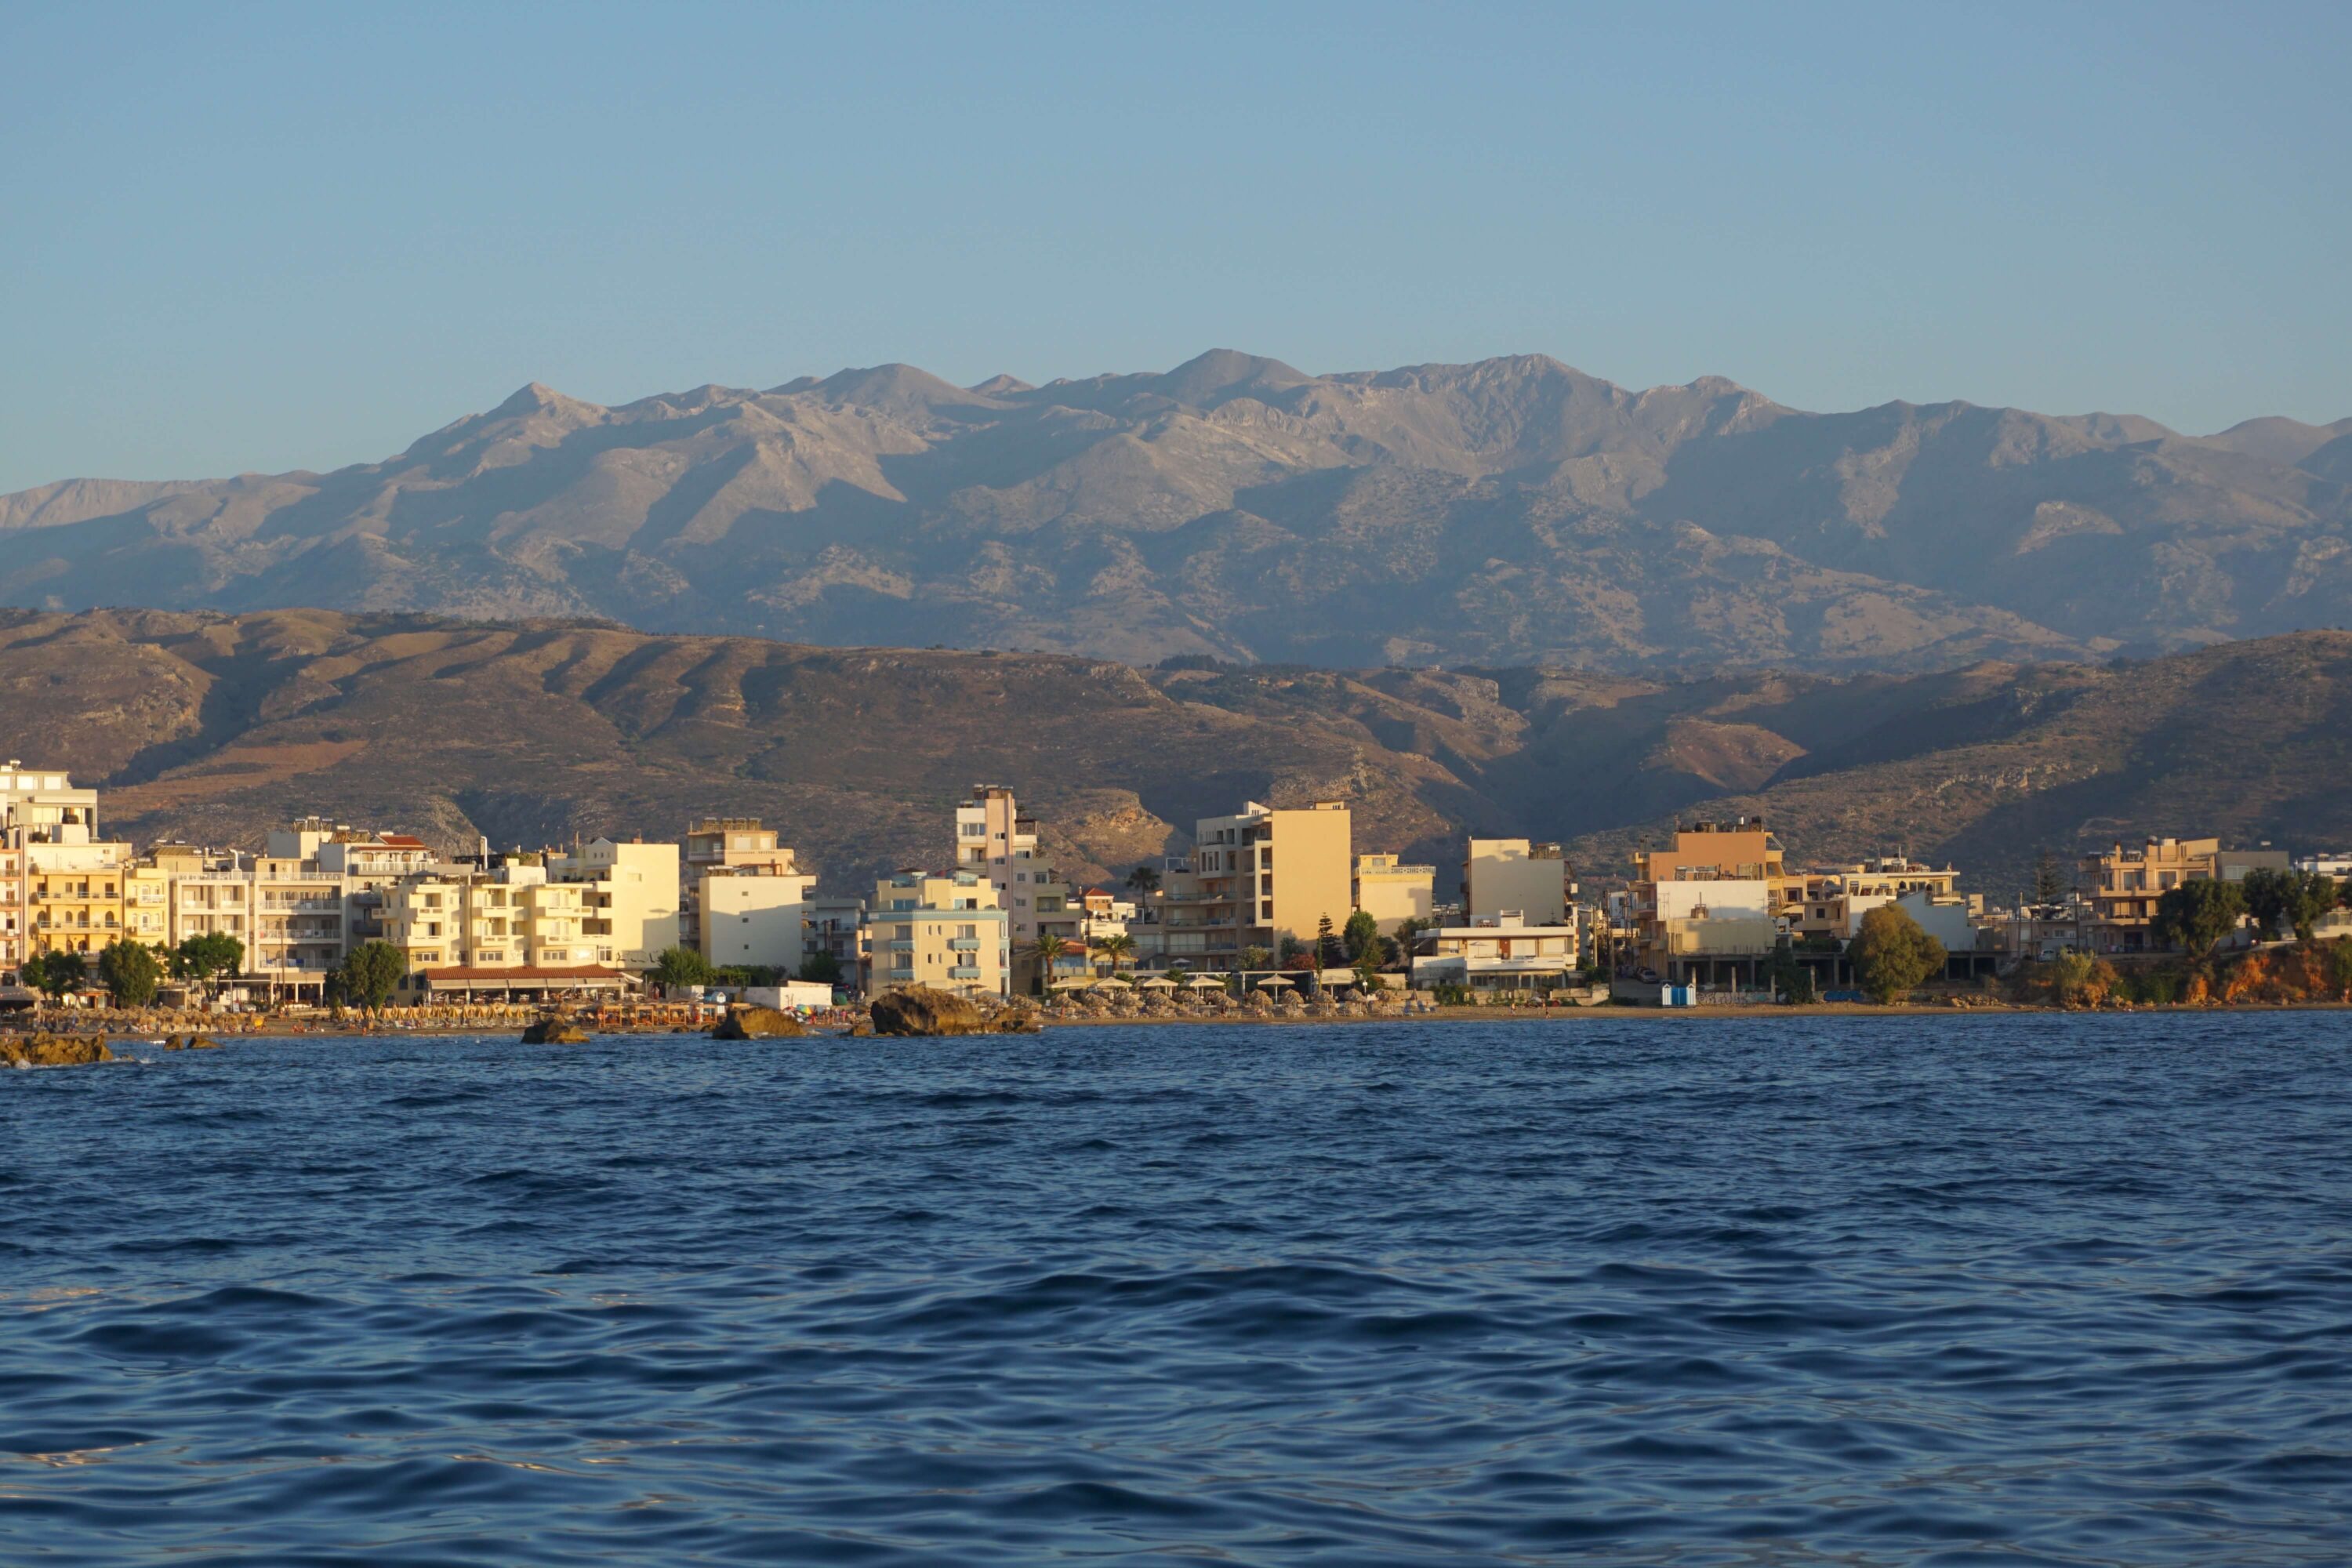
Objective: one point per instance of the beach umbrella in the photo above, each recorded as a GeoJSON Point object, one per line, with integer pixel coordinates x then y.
{"type": "Point", "coordinates": [1156, 982]}
{"type": "Point", "coordinates": [1111, 983]}
{"type": "Point", "coordinates": [1207, 981]}
{"type": "Point", "coordinates": [1271, 982]}
{"type": "Point", "coordinates": [1072, 985]}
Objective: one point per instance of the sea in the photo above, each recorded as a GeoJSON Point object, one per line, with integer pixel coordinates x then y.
{"type": "Point", "coordinates": [1999, 1290]}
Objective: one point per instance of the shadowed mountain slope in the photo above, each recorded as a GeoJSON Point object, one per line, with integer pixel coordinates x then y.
{"type": "Point", "coordinates": [1510, 511]}
{"type": "Point", "coordinates": [212, 728]}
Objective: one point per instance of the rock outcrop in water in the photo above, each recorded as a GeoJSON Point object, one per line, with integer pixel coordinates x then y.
{"type": "Point", "coordinates": [554, 1032]}
{"type": "Point", "coordinates": [46, 1050]}
{"type": "Point", "coordinates": [920, 1010]}
{"type": "Point", "coordinates": [190, 1043]}
{"type": "Point", "coordinates": [758, 1024]}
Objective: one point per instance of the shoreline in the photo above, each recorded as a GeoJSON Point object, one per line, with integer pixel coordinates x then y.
{"type": "Point", "coordinates": [1465, 1015]}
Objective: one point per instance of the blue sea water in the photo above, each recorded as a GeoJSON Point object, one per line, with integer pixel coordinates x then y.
{"type": "Point", "coordinates": [2005, 1291]}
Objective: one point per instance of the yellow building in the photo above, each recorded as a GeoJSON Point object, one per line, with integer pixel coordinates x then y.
{"type": "Point", "coordinates": [73, 896]}
{"type": "Point", "coordinates": [1393, 893]}
{"type": "Point", "coordinates": [628, 899]}
{"type": "Point", "coordinates": [944, 931]}
{"type": "Point", "coordinates": [1503, 877]}
{"type": "Point", "coordinates": [1256, 879]}
{"type": "Point", "coordinates": [733, 847]}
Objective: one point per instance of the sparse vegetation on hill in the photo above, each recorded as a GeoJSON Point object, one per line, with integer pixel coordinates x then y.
{"type": "Point", "coordinates": [212, 728]}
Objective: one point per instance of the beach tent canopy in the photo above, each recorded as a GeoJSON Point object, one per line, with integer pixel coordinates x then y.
{"type": "Point", "coordinates": [1206, 981]}
{"type": "Point", "coordinates": [1158, 983]}
{"type": "Point", "coordinates": [1110, 983]}
{"type": "Point", "coordinates": [1272, 981]}
{"type": "Point", "coordinates": [1072, 985]}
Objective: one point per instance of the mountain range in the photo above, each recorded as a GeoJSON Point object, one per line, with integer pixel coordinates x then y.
{"type": "Point", "coordinates": [212, 728]}
{"type": "Point", "coordinates": [1510, 512]}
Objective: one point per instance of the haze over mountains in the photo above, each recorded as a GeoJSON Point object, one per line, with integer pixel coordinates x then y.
{"type": "Point", "coordinates": [1513, 512]}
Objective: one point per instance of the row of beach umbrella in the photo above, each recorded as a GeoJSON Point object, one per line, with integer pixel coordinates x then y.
{"type": "Point", "coordinates": [1161, 983]}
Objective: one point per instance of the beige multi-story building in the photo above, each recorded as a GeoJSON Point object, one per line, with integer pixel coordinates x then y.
{"type": "Point", "coordinates": [745, 901]}
{"type": "Point", "coordinates": [628, 899]}
{"type": "Point", "coordinates": [1256, 878]}
{"type": "Point", "coordinates": [286, 913]}
{"type": "Point", "coordinates": [1393, 893]}
{"type": "Point", "coordinates": [1710, 906]}
{"type": "Point", "coordinates": [2125, 884]}
{"type": "Point", "coordinates": [1830, 900]}
{"type": "Point", "coordinates": [1503, 877]}
{"type": "Point", "coordinates": [946, 932]}
{"type": "Point", "coordinates": [44, 805]}
{"type": "Point", "coordinates": [836, 929]}
{"type": "Point", "coordinates": [993, 840]}
{"type": "Point", "coordinates": [12, 905]}
{"type": "Point", "coordinates": [753, 917]}
{"type": "Point", "coordinates": [368, 863]}
{"type": "Point", "coordinates": [504, 930]}
{"type": "Point", "coordinates": [147, 904]}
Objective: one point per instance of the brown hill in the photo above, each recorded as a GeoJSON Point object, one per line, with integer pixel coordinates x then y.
{"type": "Point", "coordinates": [212, 728]}
{"type": "Point", "coordinates": [1511, 511]}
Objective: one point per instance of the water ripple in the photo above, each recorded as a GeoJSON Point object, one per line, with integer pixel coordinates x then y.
{"type": "Point", "coordinates": [1773, 1291]}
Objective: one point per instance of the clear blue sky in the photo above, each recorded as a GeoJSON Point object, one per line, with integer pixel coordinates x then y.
{"type": "Point", "coordinates": [256, 237]}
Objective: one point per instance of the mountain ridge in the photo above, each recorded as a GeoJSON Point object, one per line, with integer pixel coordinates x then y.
{"type": "Point", "coordinates": [1507, 511]}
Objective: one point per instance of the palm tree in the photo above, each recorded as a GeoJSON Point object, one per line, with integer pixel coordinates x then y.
{"type": "Point", "coordinates": [1144, 879]}
{"type": "Point", "coordinates": [1047, 950]}
{"type": "Point", "coordinates": [1119, 947]}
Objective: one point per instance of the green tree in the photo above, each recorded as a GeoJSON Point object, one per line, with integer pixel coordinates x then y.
{"type": "Point", "coordinates": [1368, 970]}
{"type": "Point", "coordinates": [821, 969]}
{"type": "Point", "coordinates": [1144, 880]}
{"type": "Point", "coordinates": [1048, 949]}
{"type": "Point", "coordinates": [54, 973]}
{"type": "Point", "coordinates": [1791, 981]}
{"type": "Point", "coordinates": [1891, 955]}
{"type": "Point", "coordinates": [2195, 915]}
{"type": "Point", "coordinates": [371, 972]}
{"type": "Point", "coordinates": [210, 958]}
{"type": "Point", "coordinates": [2293, 896]}
{"type": "Point", "coordinates": [1119, 947]}
{"type": "Point", "coordinates": [1256, 958]}
{"type": "Point", "coordinates": [1361, 933]}
{"type": "Point", "coordinates": [676, 968]}
{"type": "Point", "coordinates": [131, 971]}
{"type": "Point", "coordinates": [2049, 881]}
{"type": "Point", "coordinates": [1328, 954]}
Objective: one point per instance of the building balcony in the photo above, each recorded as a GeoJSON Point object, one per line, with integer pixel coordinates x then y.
{"type": "Point", "coordinates": [964, 972]}
{"type": "Point", "coordinates": [964, 944]}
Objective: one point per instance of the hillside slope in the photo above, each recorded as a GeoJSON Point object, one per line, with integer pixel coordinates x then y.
{"type": "Point", "coordinates": [212, 728]}
{"type": "Point", "coordinates": [1510, 511]}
